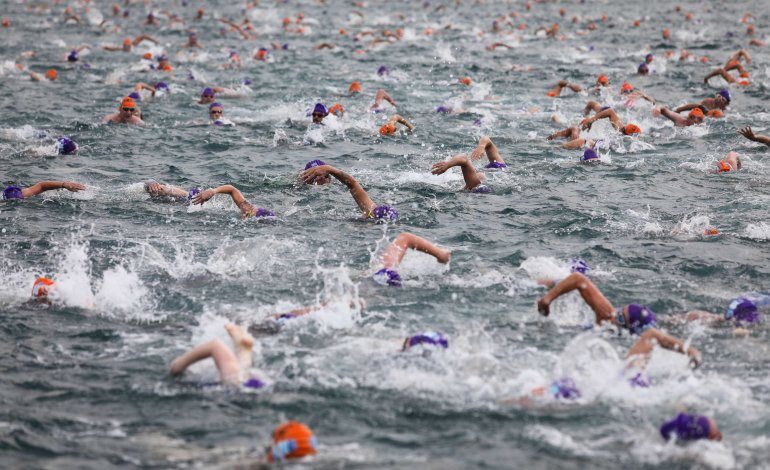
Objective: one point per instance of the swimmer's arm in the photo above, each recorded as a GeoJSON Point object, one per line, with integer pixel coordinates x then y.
{"type": "Point", "coordinates": [644, 95]}
{"type": "Point", "coordinates": [644, 345]}
{"type": "Point", "coordinates": [234, 193]}
{"type": "Point", "coordinates": [143, 86]}
{"type": "Point", "coordinates": [405, 241]}
{"type": "Point", "coordinates": [399, 119]}
{"type": "Point", "coordinates": [112, 48]}
{"type": "Point", "coordinates": [324, 45]}
{"type": "Point", "coordinates": [144, 37]}
{"type": "Point", "coordinates": [742, 53]}
{"type": "Point", "coordinates": [672, 116]}
{"type": "Point", "coordinates": [486, 145]}
{"type": "Point", "coordinates": [607, 113]}
{"type": "Point", "coordinates": [382, 95]}
{"type": "Point", "coordinates": [722, 72]}
{"type": "Point", "coordinates": [157, 189]}
{"type": "Point", "coordinates": [749, 134]}
{"type": "Point", "coordinates": [470, 175]}
{"type": "Point", "coordinates": [359, 194]}
{"type": "Point", "coordinates": [685, 107]}
{"type": "Point", "coordinates": [35, 77]}
{"type": "Point", "coordinates": [44, 186]}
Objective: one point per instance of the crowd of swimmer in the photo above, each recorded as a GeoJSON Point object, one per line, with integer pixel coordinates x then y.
{"type": "Point", "coordinates": [294, 439]}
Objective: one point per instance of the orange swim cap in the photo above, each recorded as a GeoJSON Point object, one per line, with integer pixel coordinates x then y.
{"type": "Point", "coordinates": [6, 22]}
{"type": "Point", "coordinates": [744, 74]}
{"type": "Point", "coordinates": [388, 129]}
{"type": "Point", "coordinates": [127, 42]}
{"type": "Point", "coordinates": [286, 21]}
{"type": "Point", "coordinates": [343, 32]}
{"type": "Point", "coordinates": [626, 88]}
{"type": "Point", "coordinates": [147, 55]}
{"type": "Point", "coordinates": [723, 166]}
{"type": "Point", "coordinates": [696, 112]}
{"type": "Point", "coordinates": [744, 82]}
{"type": "Point", "coordinates": [355, 87]}
{"type": "Point", "coordinates": [715, 113]}
{"type": "Point", "coordinates": [262, 54]}
{"type": "Point", "coordinates": [128, 102]}
{"type": "Point", "coordinates": [704, 59]}
{"type": "Point", "coordinates": [466, 81]}
{"type": "Point", "coordinates": [41, 287]}
{"type": "Point", "coordinates": [637, 23]}
{"type": "Point", "coordinates": [292, 440]}
{"type": "Point", "coordinates": [337, 109]}
{"type": "Point", "coordinates": [632, 129]}
{"type": "Point", "coordinates": [551, 93]}
{"type": "Point", "coordinates": [711, 231]}
{"type": "Point", "coordinates": [51, 74]}
{"type": "Point", "coordinates": [603, 80]}
{"type": "Point", "coordinates": [165, 67]}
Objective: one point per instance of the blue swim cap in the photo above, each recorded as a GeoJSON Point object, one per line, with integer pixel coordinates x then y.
{"type": "Point", "coordinates": [743, 309]}
{"type": "Point", "coordinates": [66, 146]}
{"type": "Point", "coordinates": [387, 276]}
{"type": "Point", "coordinates": [73, 56]}
{"type": "Point", "coordinates": [640, 318]}
{"type": "Point", "coordinates": [192, 193]}
{"type": "Point", "coordinates": [262, 212]}
{"type": "Point", "coordinates": [432, 338]}
{"type": "Point", "coordinates": [589, 154]}
{"type": "Point", "coordinates": [686, 427]}
{"type": "Point", "coordinates": [161, 86]}
{"type": "Point", "coordinates": [320, 109]}
{"type": "Point", "coordinates": [313, 163]}
{"type": "Point", "coordinates": [207, 92]}
{"type": "Point", "coordinates": [725, 93]}
{"type": "Point", "coordinates": [135, 95]}
{"type": "Point", "coordinates": [496, 165]}
{"type": "Point", "coordinates": [383, 70]}
{"type": "Point", "coordinates": [254, 383]}
{"type": "Point", "coordinates": [162, 58]}
{"type": "Point", "coordinates": [564, 388]}
{"type": "Point", "coordinates": [384, 212]}
{"type": "Point", "coordinates": [12, 192]}
{"type": "Point", "coordinates": [481, 189]}
{"type": "Point", "coordinates": [443, 110]}
{"type": "Point", "coordinates": [578, 266]}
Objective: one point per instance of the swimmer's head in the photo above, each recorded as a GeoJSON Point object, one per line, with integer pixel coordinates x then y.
{"type": "Point", "coordinates": [631, 129]}
{"type": "Point", "coordinates": [147, 56]}
{"type": "Point", "coordinates": [383, 70]}
{"type": "Point", "coordinates": [66, 146]}
{"type": "Point", "coordinates": [648, 58]}
{"type": "Point", "coordinates": [626, 88]}
{"type": "Point", "coordinates": [603, 80]}
{"type": "Point", "coordinates": [430, 338]}
{"type": "Point", "coordinates": [494, 165]}
{"type": "Point", "coordinates": [743, 310]}
{"type": "Point", "coordinates": [135, 95]}
{"type": "Point", "coordinates": [355, 87]}
{"type": "Point", "coordinates": [262, 212]}
{"type": "Point", "coordinates": [12, 193]}
{"type": "Point", "coordinates": [161, 86]}
{"type": "Point", "coordinates": [589, 155]}
{"type": "Point", "coordinates": [466, 81]}
{"type": "Point", "coordinates": [337, 109]}
{"type": "Point", "coordinates": [126, 43]}
{"type": "Point", "coordinates": [715, 113]}
{"type": "Point", "coordinates": [314, 163]}
{"type": "Point", "coordinates": [207, 95]}
{"type": "Point", "coordinates": [216, 110]}
{"type": "Point", "coordinates": [689, 427]}
{"type": "Point", "coordinates": [73, 56]}
{"type": "Point", "coordinates": [51, 74]}
{"type": "Point", "coordinates": [725, 94]}
{"type": "Point", "coordinates": [443, 110]}
{"type": "Point", "coordinates": [384, 213]}
{"type": "Point", "coordinates": [319, 113]}
{"type": "Point", "coordinates": [127, 106]}
{"type": "Point", "coordinates": [579, 266]}
{"type": "Point", "coordinates": [643, 69]}
{"type": "Point", "coordinates": [388, 129]}
{"type": "Point", "coordinates": [640, 318]}
{"type": "Point", "coordinates": [254, 383]}
{"type": "Point", "coordinates": [262, 54]}
{"type": "Point", "coordinates": [41, 287]}
{"type": "Point", "coordinates": [192, 193]}
{"type": "Point", "coordinates": [292, 440]}
{"type": "Point", "coordinates": [481, 189]}
{"type": "Point", "coordinates": [696, 115]}
{"type": "Point", "coordinates": [564, 389]}
{"type": "Point", "coordinates": [387, 277]}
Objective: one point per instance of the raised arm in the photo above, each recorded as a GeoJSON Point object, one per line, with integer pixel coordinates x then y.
{"type": "Point", "coordinates": [672, 116]}
{"type": "Point", "coordinates": [608, 114]}
{"type": "Point", "coordinates": [470, 175]}
{"type": "Point", "coordinates": [44, 186]}
{"type": "Point", "coordinates": [685, 107]}
{"type": "Point", "coordinates": [234, 193]}
{"type": "Point", "coordinates": [143, 86]}
{"type": "Point", "coordinates": [382, 95]}
{"type": "Point", "coordinates": [722, 72]}
{"type": "Point", "coordinates": [647, 341]}
{"type": "Point", "coordinates": [143, 37]}
{"type": "Point", "coordinates": [397, 118]}
{"type": "Point", "coordinates": [486, 146]}
{"type": "Point", "coordinates": [590, 293]}
{"type": "Point", "coordinates": [359, 194]}
{"type": "Point", "coordinates": [405, 241]}
{"type": "Point", "coordinates": [749, 134]}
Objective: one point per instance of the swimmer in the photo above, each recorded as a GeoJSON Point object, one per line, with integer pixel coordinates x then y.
{"type": "Point", "coordinates": [354, 89]}
{"type": "Point", "coordinates": [127, 113]}
{"type": "Point", "coordinates": [236, 27]}
{"type": "Point", "coordinates": [128, 43]}
{"type": "Point", "coordinates": [394, 254]}
{"type": "Point", "coordinates": [628, 129]}
{"type": "Point", "coordinates": [217, 115]}
{"type": "Point", "coordinates": [390, 127]}
{"type": "Point", "coordinates": [574, 266]}
{"type": "Point", "coordinates": [602, 81]}
{"type": "Point", "coordinates": [378, 97]}
{"type": "Point", "coordinates": [690, 427]}
{"type": "Point", "coordinates": [337, 110]}
{"type": "Point", "coordinates": [43, 289]}
{"type": "Point", "coordinates": [208, 95]}
{"type": "Point", "coordinates": [370, 210]}
{"type": "Point", "coordinates": [695, 116]}
{"type": "Point", "coordinates": [473, 179]}
{"type": "Point", "coordinates": [74, 54]}
{"type": "Point", "coordinates": [158, 190]}
{"type": "Point", "coordinates": [556, 90]}
{"type": "Point", "coordinates": [247, 208]}
{"type": "Point", "coordinates": [743, 81]}
{"type": "Point", "coordinates": [15, 193]}
{"type": "Point", "coordinates": [319, 113]}
{"type": "Point", "coordinates": [50, 75]}
{"type": "Point", "coordinates": [321, 180]}
{"type": "Point", "coordinates": [163, 64]}
{"type": "Point", "coordinates": [66, 146]}
{"type": "Point", "coordinates": [720, 101]}
{"type": "Point", "coordinates": [428, 338]}
{"type": "Point", "coordinates": [192, 41]}
{"type": "Point", "coordinates": [742, 310]}
{"type": "Point", "coordinates": [731, 162]}
{"type": "Point", "coordinates": [572, 135]}
{"type": "Point", "coordinates": [292, 440]}
{"type": "Point", "coordinates": [749, 134]}
{"type": "Point", "coordinates": [233, 366]}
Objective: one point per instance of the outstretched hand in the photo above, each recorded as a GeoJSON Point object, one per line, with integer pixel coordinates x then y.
{"type": "Point", "coordinates": [310, 175]}
{"type": "Point", "coordinates": [586, 124]}
{"type": "Point", "coordinates": [695, 357]}
{"type": "Point", "coordinates": [72, 186]}
{"type": "Point", "coordinates": [440, 167]}
{"type": "Point", "coordinates": [748, 133]}
{"type": "Point", "coordinates": [203, 196]}
{"type": "Point", "coordinates": [544, 307]}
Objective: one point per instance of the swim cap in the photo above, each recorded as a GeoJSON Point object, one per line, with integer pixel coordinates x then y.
{"type": "Point", "coordinates": [12, 192]}
{"type": "Point", "coordinates": [232, 54]}
{"type": "Point", "coordinates": [640, 318]}
{"type": "Point", "coordinates": [631, 129]}
{"type": "Point", "coordinates": [432, 338]}
{"type": "Point", "coordinates": [192, 193]}
{"type": "Point", "coordinates": [466, 81]}
{"type": "Point", "coordinates": [588, 155]}
{"type": "Point", "coordinates": [603, 80]}
{"type": "Point", "coordinates": [696, 113]}
{"type": "Point", "coordinates": [564, 388]}
{"type": "Point", "coordinates": [384, 212]}
{"type": "Point", "coordinates": [744, 74]}
{"type": "Point", "coordinates": [135, 95]}
{"type": "Point", "coordinates": [292, 440]}
{"type": "Point", "coordinates": [643, 69]}
{"type": "Point", "coordinates": [648, 57]}
{"type": "Point", "coordinates": [127, 42]}
{"type": "Point", "coordinates": [73, 56]}
{"type": "Point", "coordinates": [51, 74]}
{"type": "Point", "coordinates": [314, 163]}
{"type": "Point", "coordinates": [639, 381]}
{"type": "Point", "coordinates": [496, 164]}
{"type": "Point", "coordinates": [127, 103]}
{"type": "Point", "coordinates": [254, 383]}
{"type": "Point", "coordinates": [207, 92]}
{"type": "Point", "coordinates": [551, 94]}
{"type": "Point", "coordinates": [481, 189]}
{"type": "Point", "coordinates": [743, 309]}
{"type": "Point", "coordinates": [247, 81]}
{"type": "Point", "coordinates": [218, 123]}
{"type": "Point", "coordinates": [355, 87]}
{"type": "Point", "coordinates": [147, 55]}
{"type": "Point", "coordinates": [578, 266]}
{"type": "Point", "coordinates": [66, 146]}
{"type": "Point", "coordinates": [320, 109]}
{"type": "Point", "coordinates": [262, 212]}
{"type": "Point", "coordinates": [41, 286]}
{"type": "Point", "coordinates": [161, 86]}
{"type": "Point", "coordinates": [715, 113]}
{"type": "Point", "coordinates": [723, 166]}
{"type": "Point", "coordinates": [262, 53]}
{"type": "Point", "coordinates": [162, 58]}
{"type": "Point", "coordinates": [337, 109]}
{"type": "Point", "coordinates": [686, 427]}
{"type": "Point", "coordinates": [383, 70]}
{"type": "Point", "coordinates": [604, 108]}
{"type": "Point", "coordinates": [725, 93]}
{"type": "Point", "coordinates": [443, 110]}
{"type": "Point", "coordinates": [626, 88]}
{"type": "Point", "coordinates": [388, 277]}
{"type": "Point", "coordinates": [388, 129]}
{"type": "Point", "coordinates": [215, 105]}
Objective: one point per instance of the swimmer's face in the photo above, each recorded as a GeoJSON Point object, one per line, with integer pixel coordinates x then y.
{"type": "Point", "coordinates": [318, 118]}
{"type": "Point", "coordinates": [216, 112]}
{"type": "Point", "coordinates": [126, 112]}
{"type": "Point", "coordinates": [720, 101]}
{"type": "Point", "coordinates": [697, 119]}
{"type": "Point", "coordinates": [206, 99]}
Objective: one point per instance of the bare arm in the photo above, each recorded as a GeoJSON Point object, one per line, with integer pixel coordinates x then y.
{"type": "Point", "coordinates": [382, 95]}
{"type": "Point", "coordinates": [722, 72]}
{"type": "Point", "coordinates": [359, 194]}
{"type": "Point", "coordinates": [672, 116]}
{"type": "Point", "coordinates": [749, 134]}
{"type": "Point", "coordinates": [157, 189]}
{"type": "Point", "coordinates": [608, 114]}
{"type": "Point", "coordinates": [645, 344]}
{"type": "Point", "coordinates": [405, 241]}
{"type": "Point", "coordinates": [486, 146]}
{"type": "Point", "coordinates": [143, 86]}
{"type": "Point", "coordinates": [234, 193]}
{"type": "Point", "coordinates": [143, 37]}
{"type": "Point", "coordinates": [590, 293]}
{"type": "Point", "coordinates": [397, 118]}
{"type": "Point", "coordinates": [470, 175]}
{"type": "Point", "coordinates": [685, 107]}
{"type": "Point", "coordinates": [44, 186]}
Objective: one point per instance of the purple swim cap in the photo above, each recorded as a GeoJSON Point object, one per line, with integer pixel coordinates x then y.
{"type": "Point", "coordinates": [643, 69]}
{"type": "Point", "coordinates": [578, 266]}
{"type": "Point", "coordinates": [496, 165]}
{"type": "Point", "coordinates": [481, 189]}
{"type": "Point", "coordinates": [66, 146]}
{"type": "Point", "coordinates": [254, 383]}
{"type": "Point", "coordinates": [384, 212]}
{"type": "Point", "coordinates": [640, 317]}
{"type": "Point", "coordinates": [639, 381]}
{"type": "Point", "coordinates": [285, 46]}
{"type": "Point", "coordinates": [73, 56]}
{"type": "Point", "coordinates": [12, 192]}
{"type": "Point", "coordinates": [387, 276]}
{"type": "Point", "coordinates": [192, 193]}
{"type": "Point", "coordinates": [247, 81]}
{"type": "Point", "coordinates": [686, 427]}
{"type": "Point", "coordinates": [432, 338]}
{"type": "Point", "coordinates": [564, 388]}
{"type": "Point", "coordinates": [443, 110]}
{"type": "Point", "coordinates": [725, 93]}
{"type": "Point", "coordinates": [320, 109]}
{"type": "Point", "coordinates": [162, 58]}
{"type": "Point", "coordinates": [383, 70]}
{"type": "Point", "coordinates": [135, 95]}
{"type": "Point", "coordinates": [161, 86]}
{"type": "Point", "coordinates": [262, 212]}
{"type": "Point", "coordinates": [207, 92]}
{"type": "Point", "coordinates": [215, 105]}
{"type": "Point", "coordinates": [744, 310]}
{"type": "Point", "coordinates": [218, 123]}
{"type": "Point", "coordinates": [648, 57]}
{"type": "Point", "coordinates": [588, 155]}
{"type": "Point", "coordinates": [313, 163]}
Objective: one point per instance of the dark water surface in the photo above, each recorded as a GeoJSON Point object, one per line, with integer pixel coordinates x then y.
{"type": "Point", "coordinates": [85, 382]}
